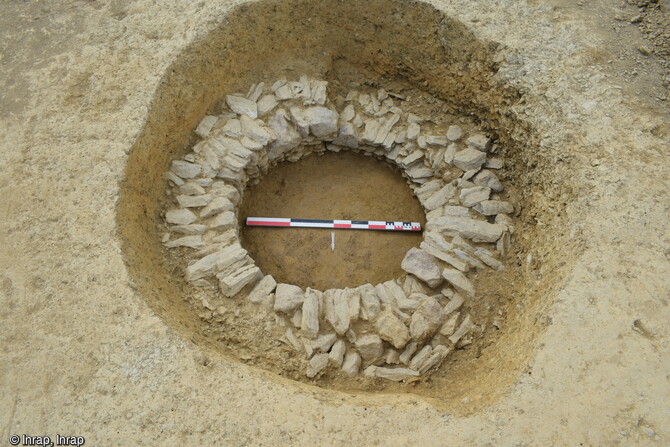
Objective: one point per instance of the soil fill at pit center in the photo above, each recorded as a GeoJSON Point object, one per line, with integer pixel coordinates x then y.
{"type": "Point", "coordinates": [331, 186]}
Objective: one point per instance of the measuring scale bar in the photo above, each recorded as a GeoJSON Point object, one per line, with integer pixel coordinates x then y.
{"type": "Point", "coordinates": [325, 223]}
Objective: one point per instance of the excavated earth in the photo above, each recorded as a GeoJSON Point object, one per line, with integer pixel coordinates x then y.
{"type": "Point", "coordinates": [98, 337]}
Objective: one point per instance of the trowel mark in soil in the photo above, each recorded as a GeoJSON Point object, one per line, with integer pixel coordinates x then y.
{"type": "Point", "coordinates": [331, 186]}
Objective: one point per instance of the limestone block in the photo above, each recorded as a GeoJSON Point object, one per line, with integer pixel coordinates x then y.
{"type": "Point", "coordinates": [423, 266]}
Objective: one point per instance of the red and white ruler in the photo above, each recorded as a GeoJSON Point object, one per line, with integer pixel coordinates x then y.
{"type": "Point", "coordinates": [321, 223]}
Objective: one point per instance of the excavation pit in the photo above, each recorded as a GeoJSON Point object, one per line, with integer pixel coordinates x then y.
{"type": "Point", "coordinates": [442, 73]}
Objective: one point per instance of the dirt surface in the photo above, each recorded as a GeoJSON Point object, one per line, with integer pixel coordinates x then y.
{"type": "Point", "coordinates": [97, 98]}
{"type": "Point", "coordinates": [331, 186]}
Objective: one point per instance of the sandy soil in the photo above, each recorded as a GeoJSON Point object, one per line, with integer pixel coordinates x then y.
{"type": "Point", "coordinates": [96, 343]}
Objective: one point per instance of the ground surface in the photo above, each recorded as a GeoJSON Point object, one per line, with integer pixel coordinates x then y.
{"type": "Point", "coordinates": [83, 353]}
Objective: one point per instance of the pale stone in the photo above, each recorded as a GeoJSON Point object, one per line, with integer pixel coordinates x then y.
{"type": "Point", "coordinates": [438, 355]}
{"type": "Point", "coordinates": [206, 125]}
{"type": "Point", "coordinates": [394, 290]}
{"type": "Point", "coordinates": [232, 128]}
{"type": "Point", "coordinates": [473, 229]}
{"type": "Point", "coordinates": [493, 207]}
{"type": "Point", "coordinates": [194, 201]}
{"type": "Point", "coordinates": [463, 329]}
{"type": "Point", "coordinates": [266, 104]}
{"type": "Point", "coordinates": [494, 163]}
{"type": "Point", "coordinates": [217, 205]}
{"type": "Point", "coordinates": [408, 304]}
{"type": "Point", "coordinates": [223, 221]}
{"type": "Point", "coordinates": [352, 363]}
{"type": "Point", "coordinates": [419, 359]}
{"type": "Point", "coordinates": [454, 133]}
{"type": "Point", "coordinates": [391, 329]}
{"type": "Point", "coordinates": [310, 313]}
{"type": "Point", "coordinates": [391, 357]}
{"type": "Point", "coordinates": [472, 196]}
{"type": "Point", "coordinates": [385, 128]}
{"type": "Point", "coordinates": [370, 132]}
{"type": "Point", "coordinates": [184, 169]}
{"type": "Point", "coordinates": [427, 189]}
{"type": "Point", "coordinates": [347, 136]}
{"type": "Point", "coordinates": [456, 211]}
{"type": "Point", "coordinates": [395, 374]}
{"type": "Point", "coordinates": [337, 310]}
{"type": "Point", "coordinates": [336, 355]}
{"type": "Point", "coordinates": [284, 92]}
{"type": "Point", "coordinates": [319, 92]}
{"type": "Point", "coordinates": [348, 113]}
{"type": "Point", "coordinates": [307, 347]}
{"type": "Point", "coordinates": [291, 339]}
{"type": "Point", "coordinates": [413, 131]}
{"type": "Point", "coordinates": [423, 266]}
{"type": "Point", "coordinates": [489, 260]}
{"type": "Point", "coordinates": [231, 284]}
{"type": "Point", "coordinates": [470, 260]}
{"type": "Point", "coordinates": [435, 140]}
{"type": "Point", "coordinates": [479, 142]}
{"type": "Point", "coordinates": [354, 303]}
{"type": "Point", "coordinates": [242, 106]}
{"type": "Point", "coordinates": [370, 305]}
{"type": "Point", "coordinates": [317, 364]}
{"type": "Point", "coordinates": [504, 243]}
{"type": "Point", "coordinates": [370, 347]}
{"type": "Point", "coordinates": [186, 241]}
{"type": "Point", "coordinates": [459, 281]}
{"type": "Point", "coordinates": [489, 179]}
{"type": "Point", "coordinates": [262, 289]}
{"type": "Point", "coordinates": [412, 118]}
{"type": "Point", "coordinates": [449, 326]}
{"type": "Point", "coordinates": [450, 153]}
{"type": "Point", "coordinates": [445, 256]}
{"type": "Point", "coordinates": [214, 262]}
{"type": "Point", "coordinates": [415, 156]}
{"type": "Point", "coordinates": [324, 342]}
{"type": "Point", "coordinates": [322, 121]}
{"type": "Point", "coordinates": [221, 189]}
{"type": "Point", "coordinates": [174, 178]}
{"type": "Point", "coordinates": [439, 198]}
{"type": "Point", "coordinates": [419, 172]}
{"type": "Point", "coordinates": [409, 351]}
{"type": "Point", "coordinates": [504, 219]}
{"type": "Point", "coordinates": [454, 304]}
{"type": "Point", "coordinates": [296, 319]}
{"type": "Point", "coordinates": [191, 189]}
{"type": "Point", "coordinates": [254, 131]}
{"type": "Point", "coordinates": [189, 229]}
{"type": "Point", "coordinates": [255, 91]}
{"type": "Point", "coordinates": [469, 159]}
{"type": "Point", "coordinates": [180, 217]}
{"type": "Point", "coordinates": [426, 319]}
{"type": "Point", "coordinates": [412, 285]}
{"type": "Point", "coordinates": [385, 296]}
{"type": "Point", "coordinates": [288, 298]}
{"type": "Point", "coordinates": [287, 136]}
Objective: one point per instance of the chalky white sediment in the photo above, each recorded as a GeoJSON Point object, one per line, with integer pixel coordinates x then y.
{"type": "Point", "coordinates": [399, 330]}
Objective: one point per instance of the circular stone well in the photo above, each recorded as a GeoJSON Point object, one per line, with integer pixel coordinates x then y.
{"type": "Point", "coordinates": [440, 72]}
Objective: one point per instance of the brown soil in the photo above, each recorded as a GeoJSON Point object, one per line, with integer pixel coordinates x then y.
{"type": "Point", "coordinates": [331, 186]}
